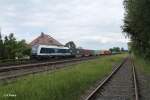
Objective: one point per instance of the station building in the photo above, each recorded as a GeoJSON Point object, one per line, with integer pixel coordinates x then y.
{"type": "Point", "coordinates": [45, 39]}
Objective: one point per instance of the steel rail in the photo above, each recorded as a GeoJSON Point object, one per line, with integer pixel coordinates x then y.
{"type": "Point", "coordinates": [135, 82]}
{"type": "Point", "coordinates": [43, 70]}
{"type": "Point", "coordinates": [25, 66]}
{"type": "Point", "coordinates": [92, 95]}
{"type": "Point", "coordinates": [29, 61]}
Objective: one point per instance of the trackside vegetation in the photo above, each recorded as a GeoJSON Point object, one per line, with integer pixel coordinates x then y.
{"type": "Point", "coordinates": [10, 48]}
{"type": "Point", "coordinates": [137, 26]}
{"type": "Point", "coordinates": [64, 84]}
{"type": "Point", "coordinates": [143, 65]}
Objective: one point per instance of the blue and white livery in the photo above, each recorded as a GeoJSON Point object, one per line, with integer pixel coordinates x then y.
{"type": "Point", "coordinates": [46, 51]}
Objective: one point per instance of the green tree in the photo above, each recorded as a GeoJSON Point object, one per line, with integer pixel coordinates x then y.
{"type": "Point", "coordinates": [6, 48]}
{"type": "Point", "coordinates": [14, 48]}
{"type": "Point", "coordinates": [72, 47]}
{"type": "Point", "coordinates": [22, 49]}
{"type": "Point", "coordinates": [137, 25]}
{"type": "Point", "coordinates": [115, 49]}
{"type": "Point", "coordinates": [1, 47]}
{"type": "Point", "coordinates": [122, 49]}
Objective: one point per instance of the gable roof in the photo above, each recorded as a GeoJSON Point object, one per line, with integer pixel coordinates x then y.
{"type": "Point", "coordinates": [45, 39]}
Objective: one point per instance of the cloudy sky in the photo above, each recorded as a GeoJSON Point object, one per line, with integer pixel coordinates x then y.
{"type": "Point", "coordinates": [92, 24]}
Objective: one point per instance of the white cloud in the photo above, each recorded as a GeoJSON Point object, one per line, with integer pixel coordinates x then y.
{"type": "Point", "coordinates": [93, 22]}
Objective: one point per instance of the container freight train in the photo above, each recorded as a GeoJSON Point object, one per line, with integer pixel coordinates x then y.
{"type": "Point", "coordinates": [105, 52]}
{"type": "Point", "coordinates": [44, 51]}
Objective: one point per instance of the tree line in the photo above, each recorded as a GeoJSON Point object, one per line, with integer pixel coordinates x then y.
{"type": "Point", "coordinates": [10, 48]}
{"type": "Point", "coordinates": [117, 50]}
{"type": "Point", "coordinates": [137, 26]}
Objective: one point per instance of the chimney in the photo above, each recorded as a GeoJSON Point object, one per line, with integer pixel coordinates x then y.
{"type": "Point", "coordinates": [42, 34]}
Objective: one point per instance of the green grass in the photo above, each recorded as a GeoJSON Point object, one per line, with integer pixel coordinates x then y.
{"type": "Point", "coordinates": [64, 84]}
{"type": "Point", "coordinates": [142, 65]}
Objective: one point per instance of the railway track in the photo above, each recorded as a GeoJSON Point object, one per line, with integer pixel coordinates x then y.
{"type": "Point", "coordinates": [27, 61]}
{"type": "Point", "coordinates": [121, 84]}
{"type": "Point", "coordinates": [17, 62]}
{"type": "Point", "coordinates": [10, 72]}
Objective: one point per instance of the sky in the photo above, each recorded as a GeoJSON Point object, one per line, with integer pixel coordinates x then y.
{"type": "Point", "coordinates": [91, 24]}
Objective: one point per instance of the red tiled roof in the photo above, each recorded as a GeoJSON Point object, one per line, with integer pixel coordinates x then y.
{"type": "Point", "coordinates": [44, 39]}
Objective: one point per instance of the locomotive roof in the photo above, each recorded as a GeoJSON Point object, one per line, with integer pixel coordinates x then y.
{"type": "Point", "coordinates": [48, 46]}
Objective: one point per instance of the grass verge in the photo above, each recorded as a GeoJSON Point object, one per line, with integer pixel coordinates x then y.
{"type": "Point", "coordinates": [142, 65]}
{"type": "Point", "coordinates": [64, 84]}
